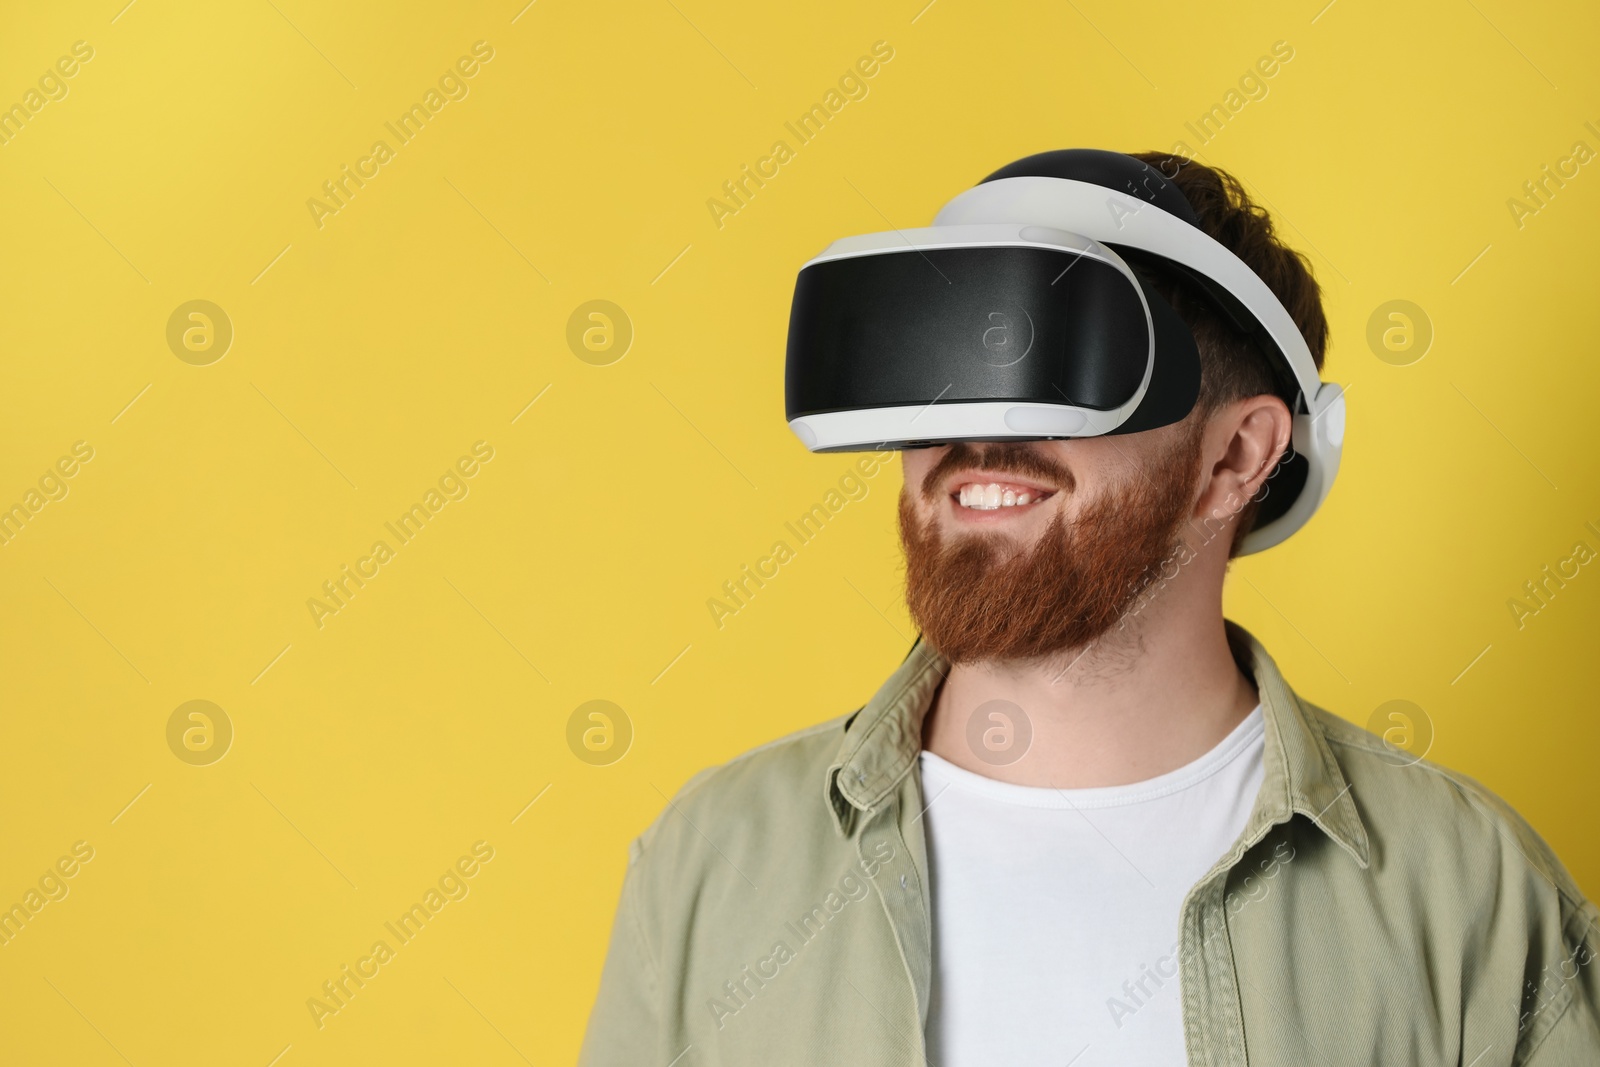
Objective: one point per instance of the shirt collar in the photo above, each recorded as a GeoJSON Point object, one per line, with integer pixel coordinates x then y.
{"type": "Point", "coordinates": [883, 739]}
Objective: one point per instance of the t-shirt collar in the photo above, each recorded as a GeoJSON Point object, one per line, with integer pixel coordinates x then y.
{"type": "Point", "coordinates": [883, 739]}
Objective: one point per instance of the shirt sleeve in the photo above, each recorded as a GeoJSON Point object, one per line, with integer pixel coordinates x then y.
{"type": "Point", "coordinates": [625, 1025]}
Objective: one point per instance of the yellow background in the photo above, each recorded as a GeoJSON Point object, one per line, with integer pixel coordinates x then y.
{"type": "Point", "coordinates": [369, 353]}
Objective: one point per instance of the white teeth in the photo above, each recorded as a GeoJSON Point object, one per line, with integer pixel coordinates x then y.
{"type": "Point", "coordinates": [991, 497]}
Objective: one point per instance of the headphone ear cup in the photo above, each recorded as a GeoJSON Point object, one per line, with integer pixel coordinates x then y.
{"type": "Point", "coordinates": [1175, 378]}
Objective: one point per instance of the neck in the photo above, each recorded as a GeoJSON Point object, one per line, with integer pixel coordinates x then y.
{"type": "Point", "coordinates": [1143, 700]}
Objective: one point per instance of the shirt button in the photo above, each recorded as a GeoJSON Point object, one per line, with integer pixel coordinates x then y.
{"type": "Point", "coordinates": [902, 881]}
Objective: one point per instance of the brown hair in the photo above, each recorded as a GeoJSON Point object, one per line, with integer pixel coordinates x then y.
{"type": "Point", "coordinates": [1232, 367]}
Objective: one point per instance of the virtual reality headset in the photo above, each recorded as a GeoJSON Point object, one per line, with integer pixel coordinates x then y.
{"type": "Point", "coordinates": [1026, 312]}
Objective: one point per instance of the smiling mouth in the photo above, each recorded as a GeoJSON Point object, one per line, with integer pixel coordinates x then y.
{"type": "Point", "coordinates": [993, 496]}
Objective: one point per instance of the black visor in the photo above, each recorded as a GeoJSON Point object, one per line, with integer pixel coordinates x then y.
{"type": "Point", "coordinates": [1009, 323]}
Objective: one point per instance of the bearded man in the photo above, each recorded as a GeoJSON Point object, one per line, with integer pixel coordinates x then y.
{"type": "Point", "coordinates": [1087, 820]}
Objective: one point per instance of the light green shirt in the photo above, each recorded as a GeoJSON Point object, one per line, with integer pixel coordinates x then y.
{"type": "Point", "coordinates": [1373, 911]}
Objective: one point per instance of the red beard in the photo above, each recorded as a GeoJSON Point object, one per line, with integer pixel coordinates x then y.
{"type": "Point", "coordinates": [983, 597]}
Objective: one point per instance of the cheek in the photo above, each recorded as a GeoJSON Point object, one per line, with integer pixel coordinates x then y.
{"type": "Point", "coordinates": [915, 463]}
{"type": "Point", "coordinates": [920, 509]}
{"type": "Point", "coordinates": [1103, 458]}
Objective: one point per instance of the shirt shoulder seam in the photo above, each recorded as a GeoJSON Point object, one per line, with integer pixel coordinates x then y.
{"type": "Point", "coordinates": [1476, 794]}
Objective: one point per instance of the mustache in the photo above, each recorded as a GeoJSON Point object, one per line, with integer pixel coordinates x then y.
{"type": "Point", "coordinates": [1000, 458]}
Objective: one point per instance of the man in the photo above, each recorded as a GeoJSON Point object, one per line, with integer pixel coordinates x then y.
{"type": "Point", "coordinates": [1087, 821]}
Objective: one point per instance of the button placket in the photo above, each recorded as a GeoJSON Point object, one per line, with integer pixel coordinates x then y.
{"type": "Point", "coordinates": [906, 910]}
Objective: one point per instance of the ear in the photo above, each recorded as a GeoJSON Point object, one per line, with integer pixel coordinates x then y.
{"type": "Point", "coordinates": [1243, 442]}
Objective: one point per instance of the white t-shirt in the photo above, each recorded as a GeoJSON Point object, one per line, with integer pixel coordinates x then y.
{"type": "Point", "coordinates": [1055, 927]}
